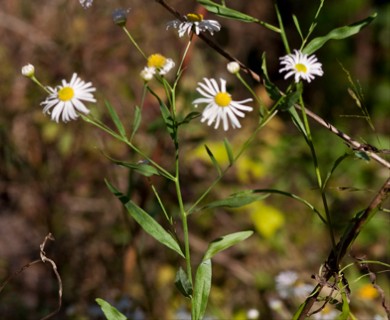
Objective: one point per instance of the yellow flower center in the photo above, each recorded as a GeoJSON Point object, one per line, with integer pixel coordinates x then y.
{"type": "Point", "coordinates": [66, 94]}
{"type": "Point", "coordinates": [156, 60]}
{"type": "Point", "coordinates": [195, 17]}
{"type": "Point", "coordinates": [300, 67]}
{"type": "Point", "coordinates": [222, 99]}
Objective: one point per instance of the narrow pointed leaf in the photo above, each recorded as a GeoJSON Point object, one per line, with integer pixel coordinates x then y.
{"type": "Point", "coordinates": [271, 88]}
{"type": "Point", "coordinates": [229, 151]}
{"type": "Point", "coordinates": [116, 120]}
{"type": "Point", "coordinates": [225, 242]}
{"type": "Point", "coordinates": [183, 284]}
{"type": "Point", "coordinates": [226, 12]}
{"type": "Point", "coordinates": [338, 34]}
{"type": "Point", "coordinates": [202, 289]}
{"type": "Point", "coordinates": [189, 117]}
{"type": "Point", "coordinates": [236, 200]}
{"type": "Point", "coordinates": [109, 311]}
{"type": "Point", "coordinates": [296, 22]}
{"type": "Point", "coordinates": [150, 226]}
{"type": "Point", "coordinates": [142, 168]}
{"type": "Point", "coordinates": [136, 121]}
{"type": "Point", "coordinates": [213, 160]}
{"type": "Point", "coordinates": [362, 155]}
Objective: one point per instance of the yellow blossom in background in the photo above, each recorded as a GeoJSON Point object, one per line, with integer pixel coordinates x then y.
{"type": "Point", "coordinates": [266, 219]}
{"type": "Point", "coordinates": [249, 169]}
{"type": "Point", "coordinates": [367, 292]}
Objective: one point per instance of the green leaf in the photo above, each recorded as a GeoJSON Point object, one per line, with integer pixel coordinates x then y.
{"type": "Point", "coordinates": [183, 283]}
{"type": "Point", "coordinates": [213, 160]}
{"type": "Point", "coordinates": [109, 311]}
{"type": "Point", "coordinates": [192, 115]}
{"type": "Point", "coordinates": [271, 89]}
{"type": "Point", "coordinates": [290, 99]}
{"type": "Point", "coordinates": [169, 122]}
{"type": "Point", "coordinates": [116, 120]}
{"type": "Point", "coordinates": [361, 155]}
{"type": "Point", "coordinates": [150, 226]}
{"type": "Point", "coordinates": [296, 22]}
{"type": "Point", "coordinates": [338, 34]}
{"type": "Point", "coordinates": [141, 167]}
{"type": "Point", "coordinates": [236, 200]}
{"type": "Point", "coordinates": [335, 165]}
{"type": "Point", "coordinates": [225, 242]}
{"type": "Point", "coordinates": [297, 121]}
{"type": "Point", "coordinates": [202, 289]}
{"type": "Point", "coordinates": [229, 151]}
{"type": "Point", "coordinates": [225, 12]}
{"type": "Point", "coordinates": [136, 121]}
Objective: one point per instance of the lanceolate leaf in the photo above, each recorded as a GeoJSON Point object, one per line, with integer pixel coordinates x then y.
{"type": "Point", "coordinates": [150, 226]}
{"type": "Point", "coordinates": [201, 289]}
{"type": "Point", "coordinates": [236, 200]}
{"type": "Point", "coordinates": [226, 12]}
{"type": "Point", "coordinates": [229, 151]}
{"type": "Point", "coordinates": [183, 283]}
{"type": "Point", "coordinates": [225, 242]}
{"type": "Point", "coordinates": [213, 160]}
{"type": "Point", "coordinates": [136, 121]}
{"type": "Point", "coordinates": [109, 311]}
{"type": "Point", "coordinates": [338, 34]}
{"type": "Point", "coordinates": [116, 120]}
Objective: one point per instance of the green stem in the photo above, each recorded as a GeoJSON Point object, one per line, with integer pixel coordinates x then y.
{"type": "Point", "coordinates": [309, 141]}
{"type": "Point", "coordinates": [264, 121]}
{"type": "Point", "coordinates": [183, 216]}
{"type": "Point", "coordinates": [36, 81]}
{"type": "Point", "coordinates": [133, 41]}
{"type": "Point", "coordinates": [102, 126]}
{"type": "Point", "coordinates": [282, 31]}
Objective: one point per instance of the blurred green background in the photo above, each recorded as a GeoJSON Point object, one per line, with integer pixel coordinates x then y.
{"type": "Point", "coordinates": [52, 175]}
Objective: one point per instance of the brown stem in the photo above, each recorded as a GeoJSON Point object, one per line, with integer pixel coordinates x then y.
{"type": "Point", "coordinates": [346, 241]}
{"type": "Point", "coordinates": [350, 142]}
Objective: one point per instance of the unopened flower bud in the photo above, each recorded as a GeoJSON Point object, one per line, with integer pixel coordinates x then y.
{"type": "Point", "coordinates": [119, 16]}
{"type": "Point", "coordinates": [147, 74]}
{"type": "Point", "coordinates": [233, 67]}
{"type": "Point", "coordinates": [28, 70]}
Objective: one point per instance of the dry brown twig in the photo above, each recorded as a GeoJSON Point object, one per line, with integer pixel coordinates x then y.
{"type": "Point", "coordinates": [44, 259]}
{"type": "Point", "coordinates": [353, 144]}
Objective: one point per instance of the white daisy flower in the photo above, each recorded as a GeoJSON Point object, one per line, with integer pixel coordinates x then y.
{"type": "Point", "coordinates": [66, 99]}
{"type": "Point", "coordinates": [301, 66]}
{"type": "Point", "coordinates": [194, 22]}
{"type": "Point", "coordinates": [220, 105]}
{"type": "Point", "coordinates": [157, 63]}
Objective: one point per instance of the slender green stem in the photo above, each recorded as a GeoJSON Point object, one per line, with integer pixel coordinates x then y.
{"type": "Point", "coordinates": [282, 31]}
{"type": "Point", "coordinates": [264, 121]}
{"type": "Point", "coordinates": [183, 216]}
{"type": "Point", "coordinates": [169, 218]}
{"type": "Point", "coordinates": [36, 81]}
{"type": "Point", "coordinates": [179, 70]}
{"type": "Point", "coordinates": [263, 110]}
{"type": "Point", "coordinates": [133, 41]}
{"type": "Point", "coordinates": [309, 141]}
{"type": "Point", "coordinates": [102, 126]}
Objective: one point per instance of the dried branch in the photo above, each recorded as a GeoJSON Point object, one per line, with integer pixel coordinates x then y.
{"type": "Point", "coordinates": [349, 141]}
{"type": "Point", "coordinates": [332, 263]}
{"type": "Point", "coordinates": [44, 260]}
